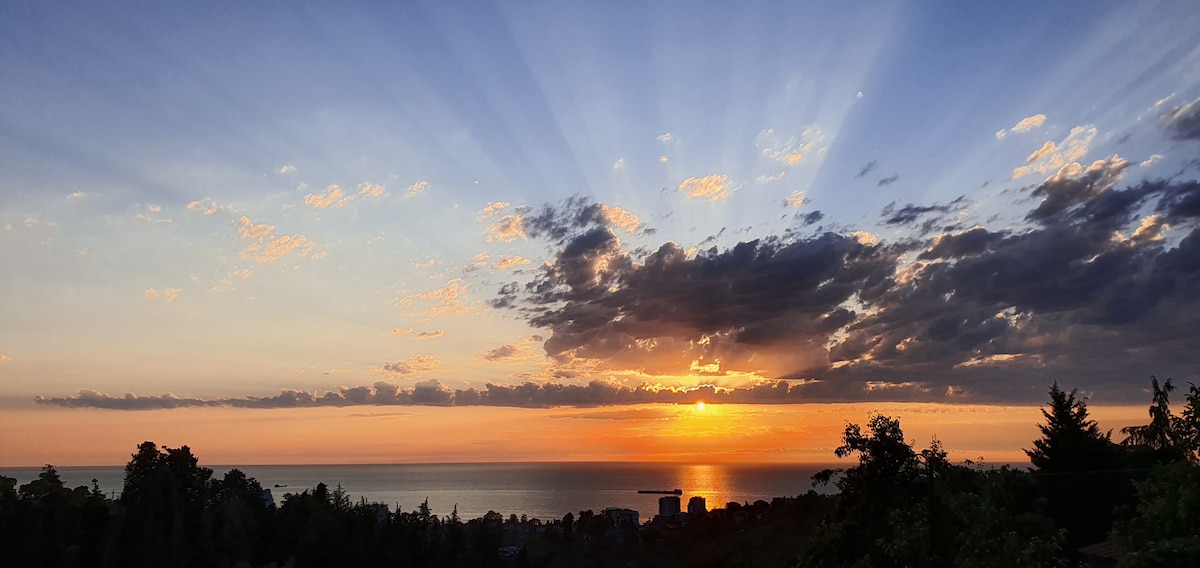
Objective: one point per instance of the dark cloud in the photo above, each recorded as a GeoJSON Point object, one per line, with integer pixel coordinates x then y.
{"type": "Point", "coordinates": [868, 168]}
{"type": "Point", "coordinates": [503, 352]}
{"type": "Point", "coordinates": [1097, 290]}
{"type": "Point", "coordinates": [888, 180]}
{"type": "Point", "coordinates": [807, 219]}
{"type": "Point", "coordinates": [525, 395]}
{"type": "Point", "coordinates": [1183, 122]}
{"type": "Point", "coordinates": [911, 213]}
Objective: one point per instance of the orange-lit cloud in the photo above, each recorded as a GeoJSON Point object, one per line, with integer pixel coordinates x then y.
{"type": "Point", "coordinates": [433, 334]}
{"type": "Point", "coordinates": [713, 187]}
{"type": "Point", "coordinates": [368, 189]}
{"type": "Point", "coordinates": [331, 197]}
{"type": "Point", "coordinates": [416, 189]}
{"type": "Point", "coordinates": [206, 206]}
{"type": "Point", "coordinates": [167, 295]}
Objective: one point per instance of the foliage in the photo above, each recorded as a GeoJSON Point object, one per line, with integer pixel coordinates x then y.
{"type": "Point", "coordinates": [1165, 530]}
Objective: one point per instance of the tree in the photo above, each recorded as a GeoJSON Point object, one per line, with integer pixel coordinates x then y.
{"type": "Point", "coordinates": [1079, 469]}
{"type": "Point", "coordinates": [164, 498]}
{"type": "Point", "coordinates": [1160, 434]}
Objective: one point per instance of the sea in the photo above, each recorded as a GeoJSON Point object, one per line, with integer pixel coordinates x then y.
{"type": "Point", "coordinates": [539, 490]}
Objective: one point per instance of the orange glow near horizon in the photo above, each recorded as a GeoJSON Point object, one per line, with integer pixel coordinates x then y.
{"type": "Point", "coordinates": [800, 433]}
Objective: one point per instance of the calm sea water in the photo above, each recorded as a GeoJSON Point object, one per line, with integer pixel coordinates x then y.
{"type": "Point", "coordinates": [541, 490]}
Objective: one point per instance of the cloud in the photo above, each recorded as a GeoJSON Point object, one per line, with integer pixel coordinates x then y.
{"type": "Point", "coordinates": [206, 206]}
{"type": "Point", "coordinates": [506, 262]}
{"type": "Point", "coordinates": [888, 180]}
{"type": "Point", "coordinates": [1097, 286]}
{"type": "Point", "coordinates": [663, 159]}
{"type": "Point", "coordinates": [4, 358]}
{"type": "Point", "coordinates": [447, 299]}
{"type": "Point", "coordinates": [1029, 123]}
{"type": "Point", "coordinates": [620, 163]}
{"type": "Point", "coordinates": [167, 295]}
{"type": "Point", "coordinates": [790, 150]}
{"type": "Point", "coordinates": [1054, 156]}
{"type": "Point", "coordinates": [911, 213]}
{"type": "Point", "coordinates": [1025, 124]}
{"type": "Point", "coordinates": [796, 199]}
{"type": "Point", "coordinates": [332, 197]}
{"type": "Point", "coordinates": [665, 137]}
{"type": "Point", "coordinates": [416, 189]}
{"type": "Point", "coordinates": [431, 334]}
{"type": "Point", "coordinates": [77, 195]}
{"type": "Point", "coordinates": [521, 351]}
{"type": "Point", "coordinates": [402, 330]}
{"type": "Point", "coordinates": [432, 392]}
{"type": "Point", "coordinates": [419, 363]}
{"type": "Point", "coordinates": [866, 169]}
{"type": "Point", "coordinates": [714, 187]}
{"type": "Point", "coordinates": [492, 209]}
{"type": "Point", "coordinates": [368, 189]}
{"type": "Point", "coordinates": [1183, 122]}
{"type": "Point", "coordinates": [1153, 159]}
{"type": "Point", "coordinates": [266, 246]}
{"type": "Point", "coordinates": [287, 169]}
{"type": "Point", "coordinates": [508, 229]}
{"type": "Point", "coordinates": [619, 217]}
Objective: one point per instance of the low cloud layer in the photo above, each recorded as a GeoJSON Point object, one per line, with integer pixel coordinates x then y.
{"type": "Point", "coordinates": [434, 393]}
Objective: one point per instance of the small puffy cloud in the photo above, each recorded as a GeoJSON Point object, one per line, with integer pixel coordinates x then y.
{"type": "Point", "coordinates": [331, 197]}
{"type": "Point", "coordinates": [789, 150]}
{"type": "Point", "coordinates": [4, 358]}
{"type": "Point", "coordinates": [1029, 123]}
{"type": "Point", "coordinates": [620, 163]}
{"type": "Point", "coordinates": [714, 187]}
{"type": "Point", "coordinates": [1024, 125]}
{"type": "Point", "coordinates": [402, 331]}
{"type": "Point", "coordinates": [1183, 122]}
{"type": "Point", "coordinates": [167, 295]}
{"type": "Point", "coordinates": [206, 206]}
{"type": "Point", "coordinates": [888, 180]}
{"type": "Point", "coordinates": [858, 95]}
{"type": "Point", "coordinates": [287, 169]}
{"type": "Point", "coordinates": [368, 189]}
{"type": "Point", "coordinates": [434, 334]}
{"type": "Point", "coordinates": [268, 247]}
{"type": "Point", "coordinates": [1053, 156]}
{"type": "Point", "coordinates": [77, 195]}
{"type": "Point", "coordinates": [1150, 230]}
{"type": "Point", "coordinates": [796, 199]}
{"type": "Point", "coordinates": [1153, 159]}
{"type": "Point", "coordinates": [415, 189]}
{"type": "Point", "coordinates": [153, 208]}
{"type": "Point", "coordinates": [448, 299]}
{"type": "Point", "coordinates": [665, 137]}
{"type": "Point", "coordinates": [419, 363]}
{"type": "Point", "coordinates": [506, 230]}
{"type": "Point", "coordinates": [506, 262]}
{"type": "Point", "coordinates": [244, 273]}
{"type": "Point", "coordinates": [491, 209]}
{"type": "Point", "coordinates": [619, 217]}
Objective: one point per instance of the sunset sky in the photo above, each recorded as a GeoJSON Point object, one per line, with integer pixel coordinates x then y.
{"type": "Point", "coordinates": [481, 231]}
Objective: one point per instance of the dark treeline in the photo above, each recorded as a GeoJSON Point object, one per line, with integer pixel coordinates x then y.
{"type": "Point", "coordinates": [1086, 498]}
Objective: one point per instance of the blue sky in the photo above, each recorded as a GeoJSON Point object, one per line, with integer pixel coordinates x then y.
{"type": "Point", "coordinates": [223, 201]}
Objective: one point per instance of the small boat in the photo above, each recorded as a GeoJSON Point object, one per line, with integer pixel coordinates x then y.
{"type": "Point", "coordinates": [279, 485]}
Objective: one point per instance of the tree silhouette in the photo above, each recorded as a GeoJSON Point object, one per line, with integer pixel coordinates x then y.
{"type": "Point", "coordinates": [1079, 468]}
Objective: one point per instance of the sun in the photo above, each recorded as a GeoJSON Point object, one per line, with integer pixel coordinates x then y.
{"type": "Point", "coordinates": [700, 406]}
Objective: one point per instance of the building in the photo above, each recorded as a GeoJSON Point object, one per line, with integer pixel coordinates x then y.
{"type": "Point", "coordinates": [619, 517]}
{"type": "Point", "coordinates": [696, 506]}
{"type": "Point", "coordinates": [668, 505]}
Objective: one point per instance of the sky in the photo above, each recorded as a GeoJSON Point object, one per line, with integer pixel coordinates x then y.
{"type": "Point", "coordinates": [523, 231]}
